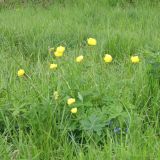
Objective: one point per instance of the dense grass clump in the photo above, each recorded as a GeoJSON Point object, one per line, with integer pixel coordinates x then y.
{"type": "Point", "coordinates": [79, 108]}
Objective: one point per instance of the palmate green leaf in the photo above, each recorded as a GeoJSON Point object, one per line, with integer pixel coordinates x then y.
{"type": "Point", "coordinates": [115, 110]}
{"type": "Point", "coordinates": [93, 123]}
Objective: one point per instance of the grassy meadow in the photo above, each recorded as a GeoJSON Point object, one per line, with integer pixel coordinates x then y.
{"type": "Point", "coordinates": [118, 103]}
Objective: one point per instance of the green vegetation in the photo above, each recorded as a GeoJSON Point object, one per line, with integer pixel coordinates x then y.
{"type": "Point", "coordinates": [117, 103]}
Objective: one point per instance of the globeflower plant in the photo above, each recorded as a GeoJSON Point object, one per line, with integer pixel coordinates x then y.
{"type": "Point", "coordinates": [107, 58]}
{"type": "Point", "coordinates": [79, 59]}
{"type": "Point", "coordinates": [21, 73]}
{"type": "Point", "coordinates": [74, 110]}
{"type": "Point", "coordinates": [135, 59]}
{"type": "Point", "coordinates": [53, 66]}
{"type": "Point", "coordinates": [91, 41]}
{"type": "Point", "coordinates": [70, 101]}
{"type": "Point", "coordinates": [59, 51]}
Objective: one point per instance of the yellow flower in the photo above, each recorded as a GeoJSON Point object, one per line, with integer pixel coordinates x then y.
{"type": "Point", "coordinates": [79, 58]}
{"type": "Point", "coordinates": [74, 110]}
{"type": "Point", "coordinates": [58, 54]}
{"type": "Point", "coordinates": [56, 95]}
{"type": "Point", "coordinates": [53, 66]}
{"type": "Point", "coordinates": [107, 58]}
{"type": "Point", "coordinates": [71, 101]}
{"type": "Point", "coordinates": [135, 59]}
{"type": "Point", "coordinates": [60, 49]}
{"type": "Point", "coordinates": [91, 41]}
{"type": "Point", "coordinates": [21, 73]}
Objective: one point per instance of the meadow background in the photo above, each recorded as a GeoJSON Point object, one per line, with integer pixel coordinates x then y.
{"type": "Point", "coordinates": [118, 103]}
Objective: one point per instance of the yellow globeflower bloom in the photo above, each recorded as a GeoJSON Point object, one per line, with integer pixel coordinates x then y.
{"type": "Point", "coordinates": [135, 59]}
{"type": "Point", "coordinates": [60, 49]}
{"type": "Point", "coordinates": [79, 58]}
{"type": "Point", "coordinates": [71, 101]}
{"type": "Point", "coordinates": [91, 41]}
{"type": "Point", "coordinates": [53, 66]}
{"type": "Point", "coordinates": [56, 95]}
{"type": "Point", "coordinates": [74, 110]}
{"type": "Point", "coordinates": [58, 54]}
{"type": "Point", "coordinates": [21, 73]}
{"type": "Point", "coordinates": [107, 58]}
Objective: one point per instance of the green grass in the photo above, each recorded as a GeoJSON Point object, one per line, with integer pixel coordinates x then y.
{"type": "Point", "coordinates": [108, 96]}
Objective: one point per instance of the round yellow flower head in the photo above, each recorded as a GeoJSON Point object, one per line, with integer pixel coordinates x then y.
{"type": "Point", "coordinates": [135, 59]}
{"type": "Point", "coordinates": [71, 101]}
{"type": "Point", "coordinates": [79, 59]}
{"type": "Point", "coordinates": [58, 54]}
{"type": "Point", "coordinates": [74, 110]}
{"type": "Point", "coordinates": [56, 95]}
{"type": "Point", "coordinates": [60, 49]}
{"type": "Point", "coordinates": [53, 66]}
{"type": "Point", "coordinates": [91, 41]}
{"type": "Point", "coordinates": [21, 73]}
{"type": "Point", "coordinates": [107, 58]}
